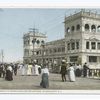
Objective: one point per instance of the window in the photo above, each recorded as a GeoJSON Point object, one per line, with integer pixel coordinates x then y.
{"type": "Point", "coordinates": [77, 45]}
{"type": "Point", "coordinates": [92, 58]}
{"type": "Point", "coordinates": [24, 42]}
{"type": "Point", "coordinates": [37, 53]}
{"type": "Point", "coordinates": [73, 28]}
{"type": "Point", "coordinates": [40, 52]}
{"type": "Point", "coordinates": [50, 50]}
{"type": "Point", "coordinates": [63, 49]}
{"type": "Point", "coordinates": [59, 50]}
{"type": "Point", "coordinates": [68, 30]}
{"type": "Point", "coordinates": [93, 28]}
{"type": "Point", "coordinates": [68, 46]}
{"type": "Point", "coordinates": [93, 45]}
{"type": "Point", "coordinates": [73, 46]}
{"type": "Point", "coordinates": [99, 45]}
{"type": "Point", "coordinates": [87, 45]}
{"type": "Point", "coordinates": [86, 27]}
{"type": "Point", "coordinates": [73, 58]}
{"type": "Point", "coordinates": [46, 51]}
{"type": "Point", "coordinates": [55, 50]}
{"type": "Point", "coordinates": [78, 27]}
{"type": "Point", "coordinates": [98, 28]}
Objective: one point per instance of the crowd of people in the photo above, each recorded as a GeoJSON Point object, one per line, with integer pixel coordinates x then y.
{"type": "Point", "coordinates": [7, 71]}
{"type": "Point", "coordinates": [71, 69]}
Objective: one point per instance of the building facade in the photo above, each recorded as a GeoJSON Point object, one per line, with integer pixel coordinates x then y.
{"type": "Point", "coordinates": [52, 54]}
{"type": "Point", "coordinates": [82, 37]}
{"type": "Point", "coordinates": [81, 42]}
{"type": "Point", "coordinates": [31, 42]}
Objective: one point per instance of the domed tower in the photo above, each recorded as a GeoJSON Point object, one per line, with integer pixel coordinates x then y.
{"type": "Point", "coordinates": [32, 41]}
{"type": "Point", "coordinates": [82, 37]}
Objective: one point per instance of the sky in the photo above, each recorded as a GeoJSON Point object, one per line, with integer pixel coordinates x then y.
{"type": "Point", "coordinates": [14, 22]}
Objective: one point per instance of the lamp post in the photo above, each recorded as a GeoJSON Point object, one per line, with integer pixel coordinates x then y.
{"type": "Point", "coordinates": [33, 42]}
{"type": "Point", "coordinates": [34, 31]}
{"type": "Point", "coordinates": [43, 48]}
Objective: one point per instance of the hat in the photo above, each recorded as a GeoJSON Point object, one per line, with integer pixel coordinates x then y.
{"type": "Point", "coordinates": [35, 61]}
{"type": "Point", "coordinates": [63, 60]}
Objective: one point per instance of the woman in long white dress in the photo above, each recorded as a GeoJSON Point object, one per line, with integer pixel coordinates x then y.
{"type": "Point", "coordinates": [24, 69]}
{"type": "Point", "coordinates": [71, 73]}
{"type": "Point", "coordinates": [29, 70]}
{"type": "Point", "coordinates": [37, 69]}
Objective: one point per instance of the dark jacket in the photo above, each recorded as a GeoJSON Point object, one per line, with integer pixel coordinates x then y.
{"type": "Point", "coordinates": [63, 69]}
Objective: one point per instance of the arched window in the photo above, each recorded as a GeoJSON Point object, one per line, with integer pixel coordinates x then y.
{"type": "Point", "coordinates": [72, 28]}
{"type": "Point", "coordinates": [98, 28]}
{"type": "Point", "coordinates": [37, 52]}
{"type": "Point", "coordinates": [68, 30]}
{"type": "Point", "coordinates": [78, 27]}
{"type": "Point", "coordinates": [55, 50]}
{"type": "Point", "coordinates": [38, 42]}
{"type": "Point", "coordinates": [50, 51]}
{"type": "Point", "coordinates": [68, 46]}
{"type": "Point", "coordinates": [59, 49]}
{"type": "Point", "coordinates": [93, 28]}
{"type": "Point", "coordinates": [72, 45]}
{"type": "Point", "coordinates": [86, 27]}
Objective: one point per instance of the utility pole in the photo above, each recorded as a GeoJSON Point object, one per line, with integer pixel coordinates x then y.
{"type": "Point", "coordinates": [2, 56]}
{"type": "Point", "coordinates": [34, 31]}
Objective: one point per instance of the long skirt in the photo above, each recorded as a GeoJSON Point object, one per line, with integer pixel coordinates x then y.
{"type": "Point", "coordinates": [36, 71]}
{"type": "Point", "coordinates": [71, 76]}
{"type": "Point", "coordinates": [85, 72]}
{"type": "Point", "coordinates": [23, 71]}
{"type": "Point", "coordinates": [29, 71]}
{"type": "Point", "coordinates": [78, 72]}
{"type": "Point", "coordinates": [45, 81]}
{"type": "Point", "coordinates": [9, 75]}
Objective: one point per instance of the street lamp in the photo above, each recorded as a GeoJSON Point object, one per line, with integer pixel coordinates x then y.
{"type": "Point", "coordinates": [43, 48]}
{"type": "Point", "coordinates": [34, 31]}
{"type": "Point", "coordinates": [33, 41]}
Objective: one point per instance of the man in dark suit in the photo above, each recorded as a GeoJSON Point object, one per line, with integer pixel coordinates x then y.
{"type": "Point", "coordinates": [63, 70]}
{"type": "Point", "coordinates": [85, 68]}
{"type": "Point", "coordinates": [1, 70]}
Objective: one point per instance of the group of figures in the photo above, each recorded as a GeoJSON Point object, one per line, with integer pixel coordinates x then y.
{"type": "Point", "coordinates": [35, 69]}
{"type": "Point", "coordinates": [72, 71]}
{"type": "Point", "coordinates": [6, 71]}
{"type": "Point", "coordinates": [30, 69]}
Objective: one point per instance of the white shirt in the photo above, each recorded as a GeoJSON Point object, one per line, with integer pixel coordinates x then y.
{"type": "Point", "coordinates": [37, 66]}
{"type": "Point", "coordinates": [9, 68]}
{"type": "Point", "coordinates": [45, 70]}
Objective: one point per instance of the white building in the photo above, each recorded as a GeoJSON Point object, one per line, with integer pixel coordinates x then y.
{"type": "Point", "coordinates": [81, 43]}
{"type": "Point", "coordinates": [31, 42]}
{"type": "Point", "coordinates": [82, 36]}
